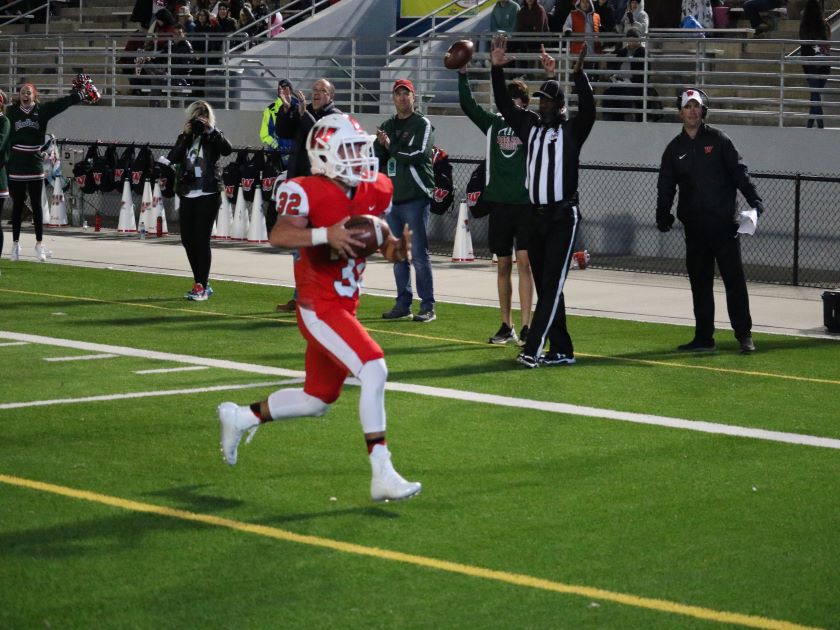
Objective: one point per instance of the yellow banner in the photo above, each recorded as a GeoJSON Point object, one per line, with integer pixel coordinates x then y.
{"type": "Point", "coordinates": [419, 8]}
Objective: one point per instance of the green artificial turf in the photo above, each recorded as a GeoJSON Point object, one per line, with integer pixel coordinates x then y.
{"type": "Point", "coordinates": [727, 524]}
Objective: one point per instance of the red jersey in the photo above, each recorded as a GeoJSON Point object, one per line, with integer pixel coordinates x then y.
{"type": "Point", "coordinates": [322, 277]}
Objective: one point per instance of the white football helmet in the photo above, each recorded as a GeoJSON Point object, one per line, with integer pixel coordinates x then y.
{"type": "Point", "coordinates": [339, 148]}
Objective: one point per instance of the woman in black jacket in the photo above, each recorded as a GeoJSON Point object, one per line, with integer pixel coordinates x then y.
{"type": "Point", "coordinates": [815, 29]}
{"type": "Point", "coordinates": [198, 184]}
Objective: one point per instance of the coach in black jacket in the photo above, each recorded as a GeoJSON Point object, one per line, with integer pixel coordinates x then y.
{"type": "Point", "coordinates": [553, 150]}
{"type": "Point", "coordinates": [708, 169]}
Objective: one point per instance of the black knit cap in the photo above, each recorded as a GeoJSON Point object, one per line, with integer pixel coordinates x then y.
{"type": "Point", "coordinates": [551, 90]}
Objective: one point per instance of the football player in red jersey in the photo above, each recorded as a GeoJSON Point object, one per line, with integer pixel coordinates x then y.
{"type": "Point", "coordinates": [312, 212]}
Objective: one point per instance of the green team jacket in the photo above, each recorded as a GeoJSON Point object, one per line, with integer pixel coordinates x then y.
{"type": "Point", "coordinates": [28, 135]}
{"type": "Point", "coordinates": [411, 150]}
{"type": "Point", "coordinates": [505, 153]}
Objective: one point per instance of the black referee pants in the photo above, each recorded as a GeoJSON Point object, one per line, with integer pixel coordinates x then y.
{"type": "Point", "coordinates": [197, 215]}
{"type": "Point", "coordinates": [702, 250]}
{"type": "Point", "coordinates": [550, 246]}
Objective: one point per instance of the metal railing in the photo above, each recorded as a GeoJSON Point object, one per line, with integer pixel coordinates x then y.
{"type": "Point", "coordinates": [750, 81]}
{"type": "Point", "coordinates": [796, 243]}
{"type": "Point", "coordinates": [13, 13]}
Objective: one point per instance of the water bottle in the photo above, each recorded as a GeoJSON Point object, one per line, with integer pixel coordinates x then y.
{"type": "Point", "coordinates": [142, 229]}
{"type": "Point", "coordinates": [84, 225]}
{"type": "Point", "coordinates": [97, 222]}
{"type": "Point", "coordinates": [159, 227]}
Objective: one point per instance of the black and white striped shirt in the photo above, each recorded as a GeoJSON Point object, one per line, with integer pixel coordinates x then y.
{"type": "Point", "coordinates": [553, 152]}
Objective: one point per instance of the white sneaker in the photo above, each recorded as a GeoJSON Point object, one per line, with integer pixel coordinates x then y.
{"type": "Point", "coordinates": [42, 252]}
{"type": "Point", "coordinates": [386, 483]}
{"type": "Point", "coordinates": [233, 427]}
{"type": "Point", "coordinates": [15, 252]}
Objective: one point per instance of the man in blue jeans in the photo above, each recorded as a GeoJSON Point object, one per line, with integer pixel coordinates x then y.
{"type": "Point", "coordinates": [404, 147]}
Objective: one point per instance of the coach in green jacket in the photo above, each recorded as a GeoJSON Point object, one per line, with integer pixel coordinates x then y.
{"type": "Point", "coordinates": [506, 196]}
{"type": "Point", "coordinates": [404, 147]}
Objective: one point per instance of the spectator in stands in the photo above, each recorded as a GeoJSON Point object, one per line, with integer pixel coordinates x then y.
{"type": "Point", "coordinates": [199, 183]}
{"type": "Point", "coordinates": [700, 10]}
{"type": "Point", "coordinates": [557, 18]}
{"type": "Point", "coordinates": [182, 57]}
{"type": "Point", "coordinates": [635, 18]}
{"type": "Point", "coordinates": [247, 22]}
{"type": "Point", "coordinates": [582, 19]}
{"type": "Point", "coordinates": [323, 104]}
{"type": "Point", "coordinates": [404, 147]}
{"type": "Point", "coordinates": [753, 9]}
{"type": "Point", "coordinates": [5, 131]}
{"type": "Point", "coordinates": [531, 18]}
{"type": "Point", "coordinates": [547, 5]}
{"type": "Point", "coordinates": [226, 23]}
{"type": "Point", "coordinates": [185, 19]}
{"type": "Point", "coordinates": [629, 78]}
{"type": "Point", "coordinates": [503, 16]}
{"type": "Point", "coordinates": [145, 10]}
{"type": "Point", "coordinates": [510, 208]}
{"type": "Point", "coordinates": [814, 27]}
{"type": "Point", "coordinates": [606, 11]}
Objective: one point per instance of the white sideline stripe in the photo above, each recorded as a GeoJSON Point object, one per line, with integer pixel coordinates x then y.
{"type": "Point", "coordinates": [456, 394]}
{"type": "Point", "coordinates": [169, 392]}
{"type": "Point", "coordinates": [83, 357]}
{"type": "Point", "coordinates": [13, 343]}
{"type": "Point", "coordinates": [168, 370]}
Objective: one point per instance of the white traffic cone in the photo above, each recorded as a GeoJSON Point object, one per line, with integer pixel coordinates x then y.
{"type": "Point", "coordinates": [127, 222]}
{"type": "Point", "coordinates": [147, 217]}
{"type": "Point", "coordinates": [223, 219]}
{"type": "Point", "coordinates": [239, 228]}
{"type": "Point", "coordinates": [463, 250]}
{"type": "Point", "coordinates": [58, 208]}
{"type": "Point", "coordinates": [46, 205]}
{"type": "Point", "coordinates": [158, 211]}
{"type": "Point", "coordinates": [257, 232]}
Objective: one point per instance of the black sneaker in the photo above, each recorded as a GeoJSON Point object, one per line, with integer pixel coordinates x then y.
{"type": "Point", "coordinates": [747, 345]}
{"type": "Point", "coordinates": [503, 336]}
{"type": "Point", "coordinates": [527, 360]}
{"type": "Point", "coordinates": [397, 313]}
{"type": "Point", "coordinates": [425, 316]}
{"type": "Point", "coordinates": [557, 358]}
{"type": "Point", "coordinates": [696, 345]}
{"type": "Point", "coordinates": [523, 336]}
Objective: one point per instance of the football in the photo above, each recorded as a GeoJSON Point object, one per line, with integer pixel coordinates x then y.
{"type": "Point", "coordinates": [459, 54]}
{"type": "Point", "coordinates": [373, 233]}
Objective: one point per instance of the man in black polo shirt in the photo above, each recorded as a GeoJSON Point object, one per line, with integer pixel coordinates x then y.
{"type": "Point", "coordinates": [554, 142]}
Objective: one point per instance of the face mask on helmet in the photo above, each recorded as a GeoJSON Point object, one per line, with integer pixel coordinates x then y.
{"type": "Point", "coordinates": [339, 148]}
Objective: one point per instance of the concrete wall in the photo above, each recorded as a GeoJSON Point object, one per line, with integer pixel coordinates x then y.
{"type": "Point", "coordinates": [370, 22]}
{"type": "Point", "coordinates": [788, 150]}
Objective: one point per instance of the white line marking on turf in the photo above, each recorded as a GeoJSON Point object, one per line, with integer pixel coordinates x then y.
{"type": "Point", "coordinates": [455, 394]}
{"type": "Point", "coordinates": [190, 368]}
{"type": "Point", "coordinates": [168, 392]}
{"type": "Point", "coordinates": [83, 357]}
{"type": "Point", "coordinates": [13, 343]}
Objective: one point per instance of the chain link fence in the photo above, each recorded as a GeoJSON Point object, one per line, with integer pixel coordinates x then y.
{"type": "Point", "coordinates": [797, 241]}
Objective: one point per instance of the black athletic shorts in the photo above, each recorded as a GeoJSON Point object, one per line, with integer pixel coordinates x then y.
{"type": "Point", "coordinates": [508, 223]}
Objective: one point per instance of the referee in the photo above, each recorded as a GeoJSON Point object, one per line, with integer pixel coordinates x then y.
{"type": "Point", "coordinates": [553, 149]}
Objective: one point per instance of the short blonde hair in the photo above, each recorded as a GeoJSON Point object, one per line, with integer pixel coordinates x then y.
{"type": "Point", "coordinates": [201, 109]}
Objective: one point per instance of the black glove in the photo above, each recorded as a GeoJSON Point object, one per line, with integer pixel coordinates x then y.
{"type": "Point", "coordinates": [664, 224]}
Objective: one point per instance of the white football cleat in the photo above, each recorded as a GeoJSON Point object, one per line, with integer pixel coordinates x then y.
{"type": "Point", "coordinates": [15, 252]}
{"type": "Point", "coordinates": [42, 252]}
{"type": "Point", "coordinates": [386, 484]}
{"type": "Point", "coordinates": [233, 427]}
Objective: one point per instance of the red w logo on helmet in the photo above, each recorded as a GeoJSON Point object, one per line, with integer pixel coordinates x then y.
{"type": "Point", "coordinates": [136, 176]}
{"type": "Point", "coordinates": [247, 184]}
{"type": "Point", "coordinates": [440, 194]}
{"type": "Point", "coordinates": [321, 137]}
{"type": "Point", "coordinates": [472, 198]}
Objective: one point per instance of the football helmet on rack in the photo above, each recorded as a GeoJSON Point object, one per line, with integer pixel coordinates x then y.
{"type": "Point", "coordinates": [83, 84]}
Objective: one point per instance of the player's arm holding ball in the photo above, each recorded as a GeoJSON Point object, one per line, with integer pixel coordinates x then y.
{"type": "Point", "coordinates": [292, 229]}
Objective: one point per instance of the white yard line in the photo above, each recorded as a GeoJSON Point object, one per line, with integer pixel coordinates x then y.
{"type": "Point", "coordinates": [190, 368]}
{"type": "Point", "coordinates": [454, 394]}
{"type": "Point", "coordinates": [166, 392]}
{"type": "Point", "coordinates": [13, 343]}
{"type": "Point", "coordinates": [83, 357]}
